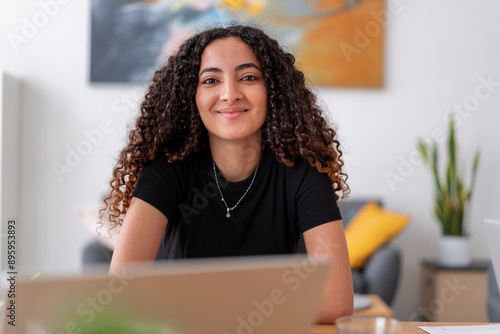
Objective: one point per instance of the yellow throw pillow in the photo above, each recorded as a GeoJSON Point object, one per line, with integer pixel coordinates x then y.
{"type": "Point", "coordinates": [369, 229]}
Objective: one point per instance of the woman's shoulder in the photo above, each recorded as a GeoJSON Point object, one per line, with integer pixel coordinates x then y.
{"type": "Point", "coordinates": [301, 171]}
{"type": "Point", "coordinates": [300, 164]}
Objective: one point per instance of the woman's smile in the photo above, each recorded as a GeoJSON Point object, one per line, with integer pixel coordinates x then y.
{"type": "Point", "coordinates": [232, 113]}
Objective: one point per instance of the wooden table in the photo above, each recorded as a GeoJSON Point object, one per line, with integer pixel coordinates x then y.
{"type": "Point", "coordinates": [406, 327]}
{"type": "Point", "coordinates": [378, 308]}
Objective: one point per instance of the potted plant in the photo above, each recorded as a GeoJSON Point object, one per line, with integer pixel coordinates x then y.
{"type": "Point", "coordinates": [451, 200]}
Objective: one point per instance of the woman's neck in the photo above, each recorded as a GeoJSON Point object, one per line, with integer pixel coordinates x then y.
{"type": "Point", "coordinates": [237, 160]}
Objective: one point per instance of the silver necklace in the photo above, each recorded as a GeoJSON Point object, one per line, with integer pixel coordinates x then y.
{"type": "Point", "coordinates": [228, 212]}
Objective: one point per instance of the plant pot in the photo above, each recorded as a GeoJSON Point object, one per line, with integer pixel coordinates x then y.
{"type": "Point", "coordinates": [454, 251]}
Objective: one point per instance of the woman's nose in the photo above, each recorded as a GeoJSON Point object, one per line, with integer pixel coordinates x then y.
{"type": "Point", "coordinates": [230, 92]}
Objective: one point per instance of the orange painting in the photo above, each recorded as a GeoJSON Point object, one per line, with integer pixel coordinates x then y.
{"type": "Point", "coordinates": [336, 42]}
{"type": "Point", "coordinates": [345, 49]}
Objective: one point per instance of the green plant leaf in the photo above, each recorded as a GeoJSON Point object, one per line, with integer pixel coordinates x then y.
{"type": "Point", "coordinates": [474, 173]}
{"type": "Point", "coordinates": [452, 150]}
{"type": "Point", "coordinates": [424, 151]}
{"type": "Point", "coordinates": [435, 167]}
{"type": "Point", "coordinates": [451, 195]}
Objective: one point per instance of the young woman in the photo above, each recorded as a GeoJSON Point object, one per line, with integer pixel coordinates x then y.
{"type": "Point", "coordinates": [231, 156]}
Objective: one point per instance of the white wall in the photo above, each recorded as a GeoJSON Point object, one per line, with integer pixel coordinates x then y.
{"type": "Point", "coordinates": [436, 51]}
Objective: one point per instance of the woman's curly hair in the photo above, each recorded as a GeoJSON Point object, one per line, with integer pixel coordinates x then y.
{"type": "Point", "coordinates": [169, 121]}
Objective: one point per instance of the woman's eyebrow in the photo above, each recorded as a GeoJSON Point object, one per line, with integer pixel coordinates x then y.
{"type": "Point", "coordinates": [210, 69]}
{"type": "Point", "coordinates": [237, 68]}
{"type": "Point", "coordinates": [246, 65]}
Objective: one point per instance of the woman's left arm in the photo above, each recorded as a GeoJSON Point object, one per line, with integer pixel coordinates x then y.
{"type": "Point", "coordinates": [329, 239]}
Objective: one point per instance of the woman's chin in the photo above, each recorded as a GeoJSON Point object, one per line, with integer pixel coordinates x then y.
{"type": "Point", "coordinates": [236, 136]}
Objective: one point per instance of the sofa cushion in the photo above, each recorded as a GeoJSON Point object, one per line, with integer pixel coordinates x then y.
{"type": "Point", "coordinates": [369, 229]}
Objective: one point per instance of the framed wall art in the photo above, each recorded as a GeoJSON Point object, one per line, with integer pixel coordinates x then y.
{"type": "Point", "coordinates": [336, 42]}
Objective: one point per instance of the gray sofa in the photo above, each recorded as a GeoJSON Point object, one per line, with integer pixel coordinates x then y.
{"type": "Point", "coordinates": [493, 302]}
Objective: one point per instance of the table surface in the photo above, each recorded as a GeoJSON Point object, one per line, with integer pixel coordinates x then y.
{"type": "Point", "coordinates": [406, 327]}
{"type": "Point", "coordinates": [378, 308]}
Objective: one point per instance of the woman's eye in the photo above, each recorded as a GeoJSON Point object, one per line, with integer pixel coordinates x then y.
{"type": "Point", "coordinates": [249, 78]}
{"type": "Point", "coordinates": [209, 81]}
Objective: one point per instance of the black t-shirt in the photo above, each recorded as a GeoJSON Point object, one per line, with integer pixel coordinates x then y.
{"type": "Point", "coordinates": [282, 203]}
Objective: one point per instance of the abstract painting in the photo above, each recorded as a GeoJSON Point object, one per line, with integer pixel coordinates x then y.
{"type": "Point", "coordinates": [336, 42]}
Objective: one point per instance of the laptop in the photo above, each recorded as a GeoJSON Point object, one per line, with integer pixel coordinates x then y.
{"type": "Point", "coordinates": [243, 295]}
{"type": "Point", "coordinates": [492, 231]}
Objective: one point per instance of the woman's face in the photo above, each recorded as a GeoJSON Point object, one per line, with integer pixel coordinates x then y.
{"type": "Point", "coordinates": [231, 95]}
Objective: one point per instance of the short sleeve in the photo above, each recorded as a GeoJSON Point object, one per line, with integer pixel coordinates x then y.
{"type": "Point", "coordinates": [316, 204]}
{"type": "Point", "coordinates": [159, 185]}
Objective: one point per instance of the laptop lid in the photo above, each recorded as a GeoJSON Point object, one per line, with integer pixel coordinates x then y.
{"type": "Point", "coordinates": [267, 295]}
{"type": "Point", "coordinates": [492, 230]}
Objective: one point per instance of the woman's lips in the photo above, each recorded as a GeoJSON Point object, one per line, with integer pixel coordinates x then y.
{"type": "Point", "coordinates": [232, 113]}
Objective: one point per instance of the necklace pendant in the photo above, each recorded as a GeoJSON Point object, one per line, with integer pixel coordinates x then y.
{"type": "Point", "coordinates": [228, 209]}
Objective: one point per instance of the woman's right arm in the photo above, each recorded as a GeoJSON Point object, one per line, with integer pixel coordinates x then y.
{"type": "Point", "coordinates": [140, 235]}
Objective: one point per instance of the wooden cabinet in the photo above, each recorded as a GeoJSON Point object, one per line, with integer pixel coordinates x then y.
{"type": "Point", "coordinates": [454, 294]}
